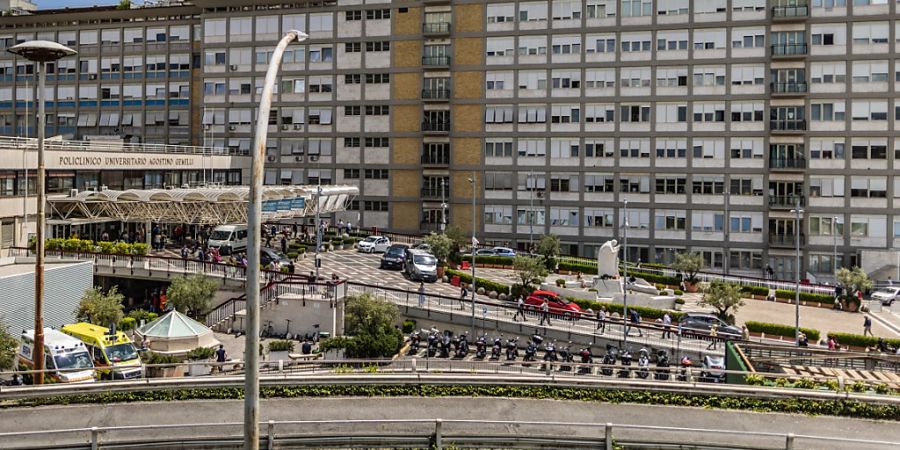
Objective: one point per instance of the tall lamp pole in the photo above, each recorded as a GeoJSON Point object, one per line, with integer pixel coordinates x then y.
{"type": "Point", "coordinates": [725, 242]}
{"type": "Point", "coordinates": [40, 52]}
{"type": "Point", "coordinates": [443, 207]}
{"type": "Point", "coordinates": [474, 248]}
{"type": "Point", "coordinates": [834, 266]}
{"type": "Point", "coordinates": [797, 211]}
{"type": "Point", "coordinates": [625, 278]}
{"type": "Point", "coordinates": [254, 225]}
{"type": "Point", "coordinates": [531, 210]}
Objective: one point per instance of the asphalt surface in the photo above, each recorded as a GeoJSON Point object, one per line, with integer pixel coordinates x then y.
{"type": "Point", "coordinates": [509, 411]}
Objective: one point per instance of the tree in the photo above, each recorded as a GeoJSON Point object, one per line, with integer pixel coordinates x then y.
{"type": "Point", "coordinates": [440, 245]}
{"type": "Point", "coordinates": [689, 264]}
{"type": "Point", "coordinates": [124, 4]}
{"type": "Point", "coordinates": [854, 279]}
{"type": "Point", "coordinates": [8, 346]}
{"type": "Point", "coordinates": [724, 297]}
{"type": "Point", "coordinates": [548, 248]}
{"type": "Point", "coordinates": [191, 295]}
{"type": "Point", "coordinates": [528, 269]}
{"type": "Point", "coordinates": [100, 309]}
{"type": "Point", "coordinates": [459, 240]}
{"type": "Point", "coordinates": [369, 325]}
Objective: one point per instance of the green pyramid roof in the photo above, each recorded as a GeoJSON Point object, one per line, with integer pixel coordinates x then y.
{"type": "Point", "coordinates": [173, 325]}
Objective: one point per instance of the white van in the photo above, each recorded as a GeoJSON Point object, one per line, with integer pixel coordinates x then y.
{"type": "Point", "coordinates": [64, 354]}
{"type": "Point", "coordinates": [229, 238]}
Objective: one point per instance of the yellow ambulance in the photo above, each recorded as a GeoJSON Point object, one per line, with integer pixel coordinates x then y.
{"type": "Point", "coordinates": [113, 353]}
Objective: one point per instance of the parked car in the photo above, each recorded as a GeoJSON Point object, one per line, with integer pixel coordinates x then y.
{"type": "Point", "coordinates": [886, 295]}
{"type": "Point", "coordinates": [485, 252]}
{"type": "Point", "coordinates": [422, 246]}
{"type": "Point", "coordinates": [558, 305]}
{"type": "Point", "coordinates": [504, 251]}
{"type": "Point", "coordinates": [420, 265]}
{"type": "Point", "coordinates": [702, 323]}
{"type": "Point", "coordinates": [374, 244]}
{"type": "Point", "coordinates": [394, 257]}
{"type": "Point", "coordinates": [269, 255]}
{"type": "Point", "coordinates": [713, 368]}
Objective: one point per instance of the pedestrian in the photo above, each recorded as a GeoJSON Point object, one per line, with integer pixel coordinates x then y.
{"type": "Point", "coordinates": [667, 326]}
{"type": "Point", "coordinates": [462, 298]}
{"type": "Point", "coordinates": [421, 294]}
{"type": "Point", "coordinates": [832, 344]}
{"type": "Point", "coordinates": [284, 245]}
{"type": "Point", "coordinates": [867, 326]}
{"type": "Point", "coordinates": [714, 337]}
{"type": "Point", "coordinates": [803, 341]}
{"type": "Point", "coordinates": [745, 333]}
{"type": "Point", "coordinates": [635, 320]}
{"type": "Point", "coordinates": [184, 252]}
{"type": "Point", "coordinates": [890, 281]}
{"type": "Point", "coordinates": [520, 309]}
{"type": "Point", "coordinates": [145, 343]}
{"type": "Point", "coordinates": [601, 319]}
{"type": "Point", "coordinates": [545, 312]}
{"type": "Point", "coordinates": [769, 272]}
{"type": "Point", "coordinates": [340, 227]}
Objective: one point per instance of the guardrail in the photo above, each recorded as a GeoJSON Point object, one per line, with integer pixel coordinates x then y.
{"type": "Point", "coordinates": [432, 433]}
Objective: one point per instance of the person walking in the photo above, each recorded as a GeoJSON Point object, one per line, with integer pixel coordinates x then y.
{"type": "Point", "coordinates": [421, 294]}
{"type": "Point", "coordinates": [545, 313]}
{"type": "Point", "coordinates": [867, 326]}
{"type": "Point", "coordinates": [745, 333]}
{"type": "Point", "coordinates": [714, 337]}
{"type": "Point", "coordinates": [520, 309]}
{"type": "Point", "coordinates": [462, 298]}
{"type": "Point", "coordinates": [284, 246]}
{"type": "Point", "coordinates": [601, 319]}
{"type": "Point", "coordinates": [635, 320]}
{"type": "Point", "coordinates": [667, 326]}
{"type": "Point", "coordinates": [832, 344]}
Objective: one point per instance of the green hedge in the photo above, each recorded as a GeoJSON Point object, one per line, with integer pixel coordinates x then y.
{"type": "Point", "coordinates": [804, 296]}
{"type": "Point", "coordinates": [653, 278]}
{"type": "Point", "coordinates": [847, 408]}
{"type": "Point", "coordinates": [495, 260]}
{"type": "Point", "coordinates": [281, 346]}
{"type": "Point", "coordinates": [409, 326]}
{"type": "Point", "coordinates": [755, 290]}
{"type": "Point", "coordinates": [127, 323]}
{"type": "Point", "coordinates": [87, 245]}
{"type": "Point", "coordinates": [646, 313]}
{"type": "Point", "coordinates": [488, 285]}
{"type": "Point", "coordinates": [781, 330]}
{"type": "Point", "coordinates": [578, 267]}
{"type": "Point", "coordinates": [857, 340]}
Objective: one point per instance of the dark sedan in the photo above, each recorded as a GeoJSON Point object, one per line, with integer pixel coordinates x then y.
{"type": "Point", "coordinates": [393, 257]}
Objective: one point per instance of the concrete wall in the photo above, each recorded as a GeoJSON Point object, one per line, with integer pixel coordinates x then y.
{"type": "Point", "coordinates": [304, 315]}
{"type": "Point", "coordinates": [64, 285]}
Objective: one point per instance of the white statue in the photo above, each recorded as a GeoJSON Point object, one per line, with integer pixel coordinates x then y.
{"type": "Point", "coordinates": [608, 259]}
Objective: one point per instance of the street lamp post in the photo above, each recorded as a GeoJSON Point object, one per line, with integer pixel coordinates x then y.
{"type": "Point", "coordinates": [474, 248]}
{"type": "Point", "coordinates": [834, 266]}
{"type": "Point", "coordinates": [727, 226]}
{"type": "Point", "coordinates": [40, 52]}
{"type": "Point", "coordinates": [443, 207]}
{"type": "Point", "coordinates": [797, 211]}
{"type": "Point", "coordinates": [625, 277]}
{"type": "Point", "coordinates": [531, 210]}
{"type": "Point", "coordinates": [254, 226]}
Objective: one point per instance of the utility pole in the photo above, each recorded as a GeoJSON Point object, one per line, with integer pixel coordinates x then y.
{"type": "Point", "coordinates": [797, 212]}
{"type": "Point", "coordinates": [531, 210]}
{"type": "Point", "coordinates": [834, 250]}
{"type": "Point", "coordinates": [443, 207]}
{"type": "Point", "coordinates": [473, 180]}
{"type": "Point", "coordinates": [726, 242]}
{"type": "Point", "coordinates": [25, 169]}
{"type": "Point", "coordinates": [625, 278]}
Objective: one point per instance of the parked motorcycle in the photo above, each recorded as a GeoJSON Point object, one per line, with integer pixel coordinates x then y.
{"type": "Point", "coordinates": [625, 359]}
{"type": "Point", "coordinates": [481, 347]}
{"type": "Point", "coordinates": [643, 363]}
{"type": "Point", "coordinates": [566, 356]}
{"type": "Point", "coordinates": [414, 339]}
{"type": "Point", "coordinates": [662, 364]}
{"type": "Point", "coordinates": [512, 349]}
{"type": "Point", "coordinates": [496, 348]}
{"type": "Point", "coordinates": [586, 358]}
{"type": "Point", "coordinates": [609, 360]}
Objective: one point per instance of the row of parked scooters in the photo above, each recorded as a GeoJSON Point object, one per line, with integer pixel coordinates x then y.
{"type": "Point", "coordinates": [615, 361]}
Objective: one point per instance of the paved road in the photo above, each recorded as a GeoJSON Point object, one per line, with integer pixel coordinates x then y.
{"type": "Point", "coordinates": [507, 410]}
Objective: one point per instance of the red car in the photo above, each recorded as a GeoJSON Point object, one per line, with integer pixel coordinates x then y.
{"type": "Point", "coordinates": [558, 305]}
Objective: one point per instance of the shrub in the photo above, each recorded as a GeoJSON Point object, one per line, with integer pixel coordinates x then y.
{"type": "Point", "coordinates": [281, 346]}
{"type": "Point", "coordinates": [159, 358]}
{"type": "Point", "coordinates": [139, 248]}
{"type": "Point", "coordinates": [781, 330]}
{"type": "Point", "coordinates": [488, 285]}
{"type": "Point", "coordinates": [409, 326]}
{"type": "Point", "coordinates": [755, 290]}
{"type": "Point", "coordinates": [679, 292]}
{"type": "Point", "coordinates": [646, 313]}
{"type": "Point", "coordinates": [679, 301]}
{"type": "Point", "coordinates": [200, 354]}
{"type": "Point", "coordinates": [857, 340]}
{"type": "Point", "coordinates": [127, 323]}
{"type": "Point", "coordinates": [659, 287]}
{"type": "Point", "coordinates": [804, 296]}
{"type": "Point", "coordinates": [578, 267]}
{"type": "Point", "coordinates": [349, 240]}
{"type": "Point", "coordinates": [560, 282]}
{"type": "Point", "coordinates": [653, 278]}
{"type": "Point", "coordinates": [493, 260]}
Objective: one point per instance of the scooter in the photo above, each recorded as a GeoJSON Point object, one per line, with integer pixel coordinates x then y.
{"type": "Point", "coordinates": [481, 347]}
{"type": "Point", "coordinates": [496, 348]}
{"type": "Point", "coordinates": [586, 358]}
{"type": "Point", "coordinates": [625, 359]}
{"type": "Point", "coordinates": [643, 364]}
{"type": "Point", "coordinates": [609, 360]}
{"type": "Point", "coordinates": [532, 347]}
{"type": "Point", "coordinates": [462, 347]}
{"type": "Point", "coordinates": [445, 344]}
{"type": "Point", "coordinates": [686, 365]}
{"type": "Point", "coordinates": [512, 349]}
{"type": "Point", "coordinates": [433, 344]}
{"type": "Point", "coordinates": [662, 362]}
{"type": "Point", "coordinates": [566, 356]}
{"type": "Point", "coordinates": [414, 339]}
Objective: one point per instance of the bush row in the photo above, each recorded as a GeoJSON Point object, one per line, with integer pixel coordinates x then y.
{"type": "Point", "coordinates": [578, 267]}
{"type": "Point", "coordinates": [857, 340]}
{"type": "Point", "coordinates": [488, 285]}
{"type": "Point", "coordinates": [804, 296]}
{"type": "Point", "coordinates": [646, 313]}
{"type": "Point", "coordinates": [781, 330]}
{"type": "Point", "coordinates": [87, 245]}
{"type": "Point", "coordinates": [847, 408]}
{"type": "Point", "coordinates": [495, 260]}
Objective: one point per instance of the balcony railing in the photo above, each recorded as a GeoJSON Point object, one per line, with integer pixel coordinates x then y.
{"type": "Point", "coordinates": [437, 28]}
{"type": "Point", "coordinates": [788, 88]}
{"type": "Point", "coordinates": [786, 201]}
{"type": "Point", "coordinates": [435, 94]}
{"type": "Point", "coordinates": [430, 227]}
{"type": "Point", "coordinates": [786, 240]}
{"type": "Point", "coordinates": [440, 159]}
{"type": "Point", "coordinates": [790, 11]}
{"type": "Point", "coordinates": [436, 127]}
{"type": "Point", "coordinates": [787, 163]}
{"type": "Point", "coordinates": [790, 49]}
{"type": "Point", "coordinates": [787, 125]}
{"type": "Point", "coordinates": [435, 60]}
{"type": "Point", "coordinates": [435, 193]}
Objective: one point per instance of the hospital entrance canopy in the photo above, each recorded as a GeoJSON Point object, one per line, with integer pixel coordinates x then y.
{"type": "Point", "coordinates": [204, 205]}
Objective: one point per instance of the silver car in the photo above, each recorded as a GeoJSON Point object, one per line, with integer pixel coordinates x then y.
{"type": "Point", "coordinates": [886, 295]}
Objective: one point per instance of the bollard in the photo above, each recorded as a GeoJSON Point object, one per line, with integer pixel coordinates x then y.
{"type": "Point", "coordinates": [607, 436]}
{"type": "Point", "coordinates": [414, 364]}
{"type": "Point", "coordinates": [789, 442]}
{"type": "Point", "coordinates": [438, 441]}
{"type": "Point", "coordinates": [270, 435]}
{"type": "Point", "coordinates": [95, 438]}
{"type": "Point", "coordinates": [280, 365]}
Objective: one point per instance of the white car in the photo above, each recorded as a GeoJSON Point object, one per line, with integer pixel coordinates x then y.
{"type": "Point", "coordinates": [374, 244]}
{"type": "Point", "coordinates": [886, 295]}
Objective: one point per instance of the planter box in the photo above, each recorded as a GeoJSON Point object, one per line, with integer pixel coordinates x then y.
{"type": "Point", "coordinates": [197, 370]}
{"type": "Point", "coordinates": [281, 355]}
{"type": "Point", "coordinates": [165, 372]}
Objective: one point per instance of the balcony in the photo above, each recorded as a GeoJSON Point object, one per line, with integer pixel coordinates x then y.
{"type": "Point", "coordinates": [436, 94]}
{"type": "Point", "coordinates": [787, 126]}
{"type": "Point", "coordinates": [436, 61]}
{"type": "Point", "coordinates": [435, 193]}
{"type": "Point", "coordinates": [435, 127]}
{"type": "Point", "coordinates": [786, 201]}
{"type": "Point", "coordinates": [789, 50]}
{"type": "Point", "coordinates": [786, 240]}
{"type": "Point", "coordinates": [783, 13]}
{"type": "Point", "coordinates": [436, 29]}
{"type": "Point", "coordinates": [430, 227]}
{"type": "Point", "coordinates": [788, 89]}
{"type": "Point", "coordinates": [435, 159]}
{"type": "Point", "coordinates": [796, 163]}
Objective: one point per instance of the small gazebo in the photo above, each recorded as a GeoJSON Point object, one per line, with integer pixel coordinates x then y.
{"type": "Point", "coordinates": [176, 334]}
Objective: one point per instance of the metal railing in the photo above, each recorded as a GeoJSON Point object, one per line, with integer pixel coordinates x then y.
{"type": "Point", "coordinates": [436, 159]}
{"type": "Point", "coordinates": [441, 127]}
{"type": "Point", "coordinates": [787, 125]}
{"type": "Point", "coordinates": [786, 240]}
{"type": "Point", "coordinates": [435, 94]}
{"type": "Point", "coordinates": [435, 60]}
{"type": "Point", "coordinates": [799, 49]}
{"type": "Point", "coordinates": [18, 143]}
{"type": "Point", "coordinates": [786, 201]}
{"type": "Point", "coordinates": [797, 162]}
{"type": "Point", "coordinates": [790, 11]}
{"type": "Point", "coordinates": [436, 28]}
{"type": "Point", "coordinates": [272, 292]}
{"type": "Point", "coordinates": [788, 88]}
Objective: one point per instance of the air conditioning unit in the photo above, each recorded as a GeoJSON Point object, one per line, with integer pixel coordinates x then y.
{"type": "Point", "coordinates": [104, 187]}
{"type": "Point", "coordinates": [233, 67]}
{"type": "Point", "coordinates": [270, 158]}
{"type": "Point", "coordinates": [313, 158]}
{"type": "Point", "coordinates": [298, 126]}
{"type": "Point", "coordinates": [73, 192]}
{"type": "Point", "coordinates": [298, 158]}
{"type": "Point", "coordinates": [285, 127]}
{"type": "Point", "coordinates": [232, 127]}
